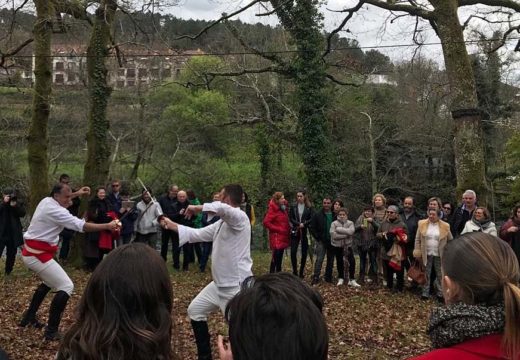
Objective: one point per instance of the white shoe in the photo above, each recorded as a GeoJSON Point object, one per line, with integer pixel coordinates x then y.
{"type": "Point", "coordinates": [340, 282]}
{"type": "Point", "coordinates": [369, 280]}
{"type": "Point", "coordinates": [384, 282]}
{"type": "Point", "coordinates": [353, 283]}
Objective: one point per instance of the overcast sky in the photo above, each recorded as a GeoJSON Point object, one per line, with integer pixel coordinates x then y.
{"type": "Point", "coordinates": [367, 27]}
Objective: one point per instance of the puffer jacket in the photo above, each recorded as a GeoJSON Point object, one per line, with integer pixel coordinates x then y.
{"type": "Point", "coordinates": [276, 221]}
{"type": "Point", "coordinates": [341, 233]}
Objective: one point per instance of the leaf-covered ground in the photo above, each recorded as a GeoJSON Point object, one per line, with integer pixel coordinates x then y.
{"type": "Point", "coordinates": [363, 323]}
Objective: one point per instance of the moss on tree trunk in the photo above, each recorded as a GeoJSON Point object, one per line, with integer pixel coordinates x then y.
{"type": "Point", "coordinates": [38, 139]}
{"type": "Point", "coordinates": [98, 149]}
{"type": "Point", "coordinates": [468, 141]}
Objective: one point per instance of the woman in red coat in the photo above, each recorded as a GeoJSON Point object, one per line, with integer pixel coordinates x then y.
{"type": "Point", "coordinates": [481, 319]}
{"type": "Point", "coordinates": [276, 220]}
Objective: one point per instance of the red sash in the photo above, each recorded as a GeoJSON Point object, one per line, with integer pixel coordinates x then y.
{"type": "Point", "coordinates": [41, 250]}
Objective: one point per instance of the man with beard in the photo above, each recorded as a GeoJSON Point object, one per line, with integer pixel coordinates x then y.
{"type": "Point", "coordinates": [231, 261]}
{"type": "Point", "coordinates": [320, 230]}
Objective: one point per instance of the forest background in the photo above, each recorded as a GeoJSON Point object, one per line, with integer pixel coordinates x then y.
{"type": "Point", "coordinates": [203, 129]}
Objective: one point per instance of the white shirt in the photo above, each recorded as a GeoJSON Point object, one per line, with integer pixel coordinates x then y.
{"type": "Point", "coordinates": [231, 236]}
{"type": "Point", "coordinates": [49, 219]}
{"type": "Point", "coordinates": [432, 239]}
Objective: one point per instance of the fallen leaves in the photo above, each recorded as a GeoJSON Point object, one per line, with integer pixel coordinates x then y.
{"type": "Point", "coordinates": [363, 323]}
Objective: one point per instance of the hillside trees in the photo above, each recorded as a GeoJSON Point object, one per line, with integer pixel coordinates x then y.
{"type": "Point", "coordinates": [443, 17]}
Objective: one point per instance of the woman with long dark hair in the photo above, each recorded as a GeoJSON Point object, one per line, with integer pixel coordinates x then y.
{"type": "Point", "coordinates": [125, 311]}
{"type": "Point", "coordinates": [100, 211]}
{"type": "Point", "coordinates": [300, 215]}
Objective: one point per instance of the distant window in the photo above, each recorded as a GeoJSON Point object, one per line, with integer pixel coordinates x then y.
{"type": "Point", "coordinates": [154, 73]}
{"type": "Point", "coordinates": [60, 66]}
{"type": "Point", "coordinates": [130, 73]}
{"type": "Point", "coordinates": [71, 77]}
{"type": "Point", "coordinates": [120, 72]}
{"type": "Point", "coordinates": [71, 65]}
{"type": "Point", "coordinates": [177, 72]}
{"type": "Point", "coordinates": [59, 78]}
{"type": "Point", "coordinates": [130, 83]}
{"type": "Point", "coordinates": [120, 83]}
{"type": "Point", "coordinates": [166, 73]}
{"type": "Point", "coordinates": [142, 73]}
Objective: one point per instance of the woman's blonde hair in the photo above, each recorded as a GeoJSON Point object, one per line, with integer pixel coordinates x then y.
{"type": "Point", "coordinates": [487, 272]}
{"type": "Point", "coordinates": [381, 196]}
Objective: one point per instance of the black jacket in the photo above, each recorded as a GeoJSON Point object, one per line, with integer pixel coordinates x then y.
{"type": "Point", "coordinates": [318, 227]}
{"type": "Point", "coordinates": [294, 217]}
{"type": "Point", "coordinates": [459, 219]}
{"type": "Point", "coordinates": [168, 206]}
{"type": "Point", "coordinates": [10, 224]}
{"type": "Point", "coordinates": [411, 225]}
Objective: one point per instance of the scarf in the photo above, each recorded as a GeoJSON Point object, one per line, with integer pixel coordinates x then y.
{"type": "Point", "coordinates": [454, 324]}
{"type": "Point", "coordinates": [484, 224]}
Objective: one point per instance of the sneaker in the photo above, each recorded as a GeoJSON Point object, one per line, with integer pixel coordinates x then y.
{"type": "Point", "coordinates": [340, 282]}
{"type": "Point", "coordinates": [353, 283]}
{"type": "Point", "coordinates": [368, 280]}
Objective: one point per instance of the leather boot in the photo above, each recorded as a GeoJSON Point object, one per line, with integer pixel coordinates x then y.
{"type": "Point", "coordinates": [202, 338]}
{"type": "Point", "coordinates": [58, 304]}
{"type": "Point", "coordinates": [29, 317]}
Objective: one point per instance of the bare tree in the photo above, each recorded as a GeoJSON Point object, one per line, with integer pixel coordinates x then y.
{"type": "Point", "coordinates": [442, 15]}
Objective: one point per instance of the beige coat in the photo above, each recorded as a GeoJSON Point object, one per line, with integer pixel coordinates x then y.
{"type": "Point", "coordinates": [420, 240]}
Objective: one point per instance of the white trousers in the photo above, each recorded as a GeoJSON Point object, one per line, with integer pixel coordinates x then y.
{"type": "Point", "coordinates": [210, 299]}
{"type": "Point", "coordinates": [51, 273]}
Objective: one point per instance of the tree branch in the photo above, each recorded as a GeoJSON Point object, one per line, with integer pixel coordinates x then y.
{"type": "Point", "coordinates": [511, 4]}
{"type": "Point", "coordinates": [16, 50]}
{"type": "Point", "coordinates": [351, 12]}
{"type": "Point", "coordinates": [410, 9]}
{"type": "Point", "coordinates": [222, 18]}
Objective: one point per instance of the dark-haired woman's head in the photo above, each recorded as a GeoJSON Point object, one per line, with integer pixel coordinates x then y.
{"type": "Point", "coordinates": [125, 310]}
{"type": "Point", "coordinates": [479, 268]}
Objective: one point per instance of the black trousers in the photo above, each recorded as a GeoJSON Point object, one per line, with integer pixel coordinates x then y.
{"type": "Point", "coordinates": [276, 261]}
{"type": "Point", "coordinates": [300, 237]}
{"type": "Point", "coordinates": [166, 236]}
{"type": "Point", "coordinates": [10, 254]}
{"type": "Point", "coordinates": [66, 236]}
{"type": "Point", "coordinates": [334, 252]}
{"type": "Point", "coordinates": [390, 271]}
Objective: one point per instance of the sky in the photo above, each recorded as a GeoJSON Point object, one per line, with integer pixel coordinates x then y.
{"type": "Point", "coordinates": [367, 27]}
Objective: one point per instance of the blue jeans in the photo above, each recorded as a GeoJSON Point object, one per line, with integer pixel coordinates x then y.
{"type": "Point", "coordinates": [433, 263]}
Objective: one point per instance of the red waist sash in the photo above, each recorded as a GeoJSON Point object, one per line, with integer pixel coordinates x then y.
{"type": "Point", "coordinates": [41, 250]}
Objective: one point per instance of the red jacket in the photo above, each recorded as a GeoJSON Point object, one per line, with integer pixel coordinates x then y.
{"type": "Point", "coordinates": [277, 222]}
{"type": "Point", "coordinates": [485, 347]}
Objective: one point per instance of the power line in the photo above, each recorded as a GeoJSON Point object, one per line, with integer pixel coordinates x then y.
{"type": "Point", "coordinates": [275, 52]}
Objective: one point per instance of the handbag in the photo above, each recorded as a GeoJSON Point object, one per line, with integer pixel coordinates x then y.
{"type": "Point", "coordinates": [416, 273]}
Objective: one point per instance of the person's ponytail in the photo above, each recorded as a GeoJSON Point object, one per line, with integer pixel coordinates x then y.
{"type": "Point", "coordinates": [511, 338]}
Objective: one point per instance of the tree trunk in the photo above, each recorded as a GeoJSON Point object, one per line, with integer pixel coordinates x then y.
{"type": "Point", "coordinates": [303, 21]}
{"type": "Point", "coordinates": [38, 139]}
{"type": "Point", "coordinates": [468, 141]}
{"type": "Point", "coordinates": [98, 149]}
